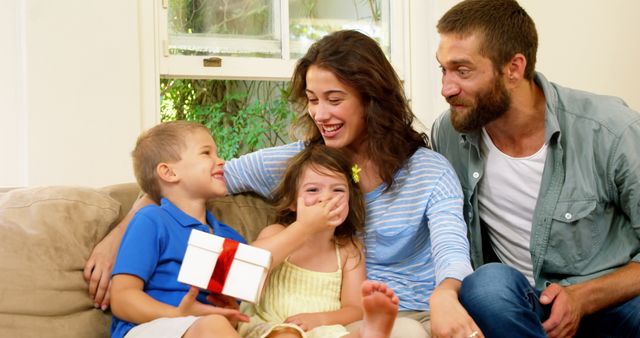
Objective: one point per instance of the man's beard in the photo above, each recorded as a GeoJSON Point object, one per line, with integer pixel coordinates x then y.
{"type": "Point", "coordinates": [489, 106]}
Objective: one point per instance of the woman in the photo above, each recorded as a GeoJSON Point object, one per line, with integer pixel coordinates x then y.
{"type": "Point", "coordinates": [415, 236]}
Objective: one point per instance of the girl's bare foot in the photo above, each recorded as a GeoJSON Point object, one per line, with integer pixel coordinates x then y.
{"type": "Point", "coordinates": [380, 306]}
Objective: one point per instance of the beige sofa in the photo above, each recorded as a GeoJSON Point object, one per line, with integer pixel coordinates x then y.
{"type": "Point", "coordinates": [47, 234]}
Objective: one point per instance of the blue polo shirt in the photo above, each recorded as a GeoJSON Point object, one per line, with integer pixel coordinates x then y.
{"type": "Point", "coordinates": [152, 249]}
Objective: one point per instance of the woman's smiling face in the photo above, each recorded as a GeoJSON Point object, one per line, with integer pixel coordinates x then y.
{"type": "Point", "coordinates": [336, 109]}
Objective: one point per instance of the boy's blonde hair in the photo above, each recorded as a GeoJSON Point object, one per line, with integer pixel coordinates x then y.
{"type": "Point", "coordinates": [162, 143]}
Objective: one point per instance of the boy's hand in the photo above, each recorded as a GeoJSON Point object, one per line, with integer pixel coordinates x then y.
{"type": "Point", "coordinates": [189, 306]}
{"type": "Point", "coordinates": [322, 215]}
{"type": "Point", "coordinates": [223, 301]}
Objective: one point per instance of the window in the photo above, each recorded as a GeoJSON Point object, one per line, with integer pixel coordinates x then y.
{"type": "Point", "coordinates": [261, 39]}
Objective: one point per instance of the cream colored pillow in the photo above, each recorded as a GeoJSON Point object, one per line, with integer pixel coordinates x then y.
{"type": "Point", "coordinates": [46, 235]}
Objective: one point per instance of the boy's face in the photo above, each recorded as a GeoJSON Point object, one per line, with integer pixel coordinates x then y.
{"type": "Point", "coordinates": [319, 184]}
{"type": "Point", "coordinates": [200, 168]}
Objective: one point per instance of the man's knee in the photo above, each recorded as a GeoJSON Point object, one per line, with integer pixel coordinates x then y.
{"type": "Point", "coordinates": [492, 275]}
{"type": "Point", "coordinates": [492, 281]}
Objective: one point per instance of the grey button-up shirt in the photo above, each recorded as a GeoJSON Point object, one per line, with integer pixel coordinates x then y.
{"type": "Point", "coordinates": [586, 221]}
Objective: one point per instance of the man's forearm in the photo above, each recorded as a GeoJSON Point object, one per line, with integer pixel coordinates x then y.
{"type": "Point", "coordinates": [611, 289]}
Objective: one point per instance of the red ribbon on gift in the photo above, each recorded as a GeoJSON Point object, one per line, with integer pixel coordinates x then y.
{"type": "Point", "coordinates": [223, 265]}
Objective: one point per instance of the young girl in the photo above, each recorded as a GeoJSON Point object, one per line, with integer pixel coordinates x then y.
{"type": "Point", "coordinates": [318, 270]}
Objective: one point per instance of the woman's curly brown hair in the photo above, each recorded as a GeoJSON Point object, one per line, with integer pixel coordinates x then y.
{"type": "Point", "coordinates": [358, 62]}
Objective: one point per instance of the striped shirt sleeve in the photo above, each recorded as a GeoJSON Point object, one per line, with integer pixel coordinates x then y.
{"type": "Point", "coordinates": [260, 171]}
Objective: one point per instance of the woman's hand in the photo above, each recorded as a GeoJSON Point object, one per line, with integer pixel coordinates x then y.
{"type": "Point", "coordinates": [448, 316]}
{"type": "Point", "coordinates": [97, 270]}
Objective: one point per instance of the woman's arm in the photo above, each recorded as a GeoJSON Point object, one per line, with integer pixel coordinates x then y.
{"type": "Point", "coordinates": [259, 171]}
{"type": "Point", "coordinates": [353, 275]}
{"type": "Point", "coordinates": [97, 270]}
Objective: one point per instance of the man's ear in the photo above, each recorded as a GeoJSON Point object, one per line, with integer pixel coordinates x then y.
{"type": "Point", "coordinates": [514, 69]}
{"type": "Point", "coordinates": [166, 173]}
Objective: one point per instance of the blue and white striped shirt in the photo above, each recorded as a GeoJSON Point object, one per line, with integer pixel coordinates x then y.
{"type": "Point", "coordinates": [415, 235]}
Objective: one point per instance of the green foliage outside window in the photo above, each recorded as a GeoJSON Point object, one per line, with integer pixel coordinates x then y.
{"type": "Point", "coordinates": [243, 116]}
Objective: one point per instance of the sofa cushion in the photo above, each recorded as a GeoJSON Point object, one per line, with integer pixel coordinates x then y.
{"type": "Point", "coordinates": [247, 213]}
{"type": "Point", "coordinates": [47, 236]}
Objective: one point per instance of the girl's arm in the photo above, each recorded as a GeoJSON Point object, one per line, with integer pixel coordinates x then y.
{"type": "Point", "coordinates": [353, 275]}
{"type": "Point", "coordinates": [130, 303]}
{"type": "Point", "coordinates": [283, 241]}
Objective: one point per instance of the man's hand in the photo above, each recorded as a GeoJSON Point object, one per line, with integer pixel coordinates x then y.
{"type": "Point", "coordinates": [566, 311]}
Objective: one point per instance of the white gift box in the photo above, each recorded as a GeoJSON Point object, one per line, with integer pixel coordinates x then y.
{"type": "Point", "coordinates": [245, 275]}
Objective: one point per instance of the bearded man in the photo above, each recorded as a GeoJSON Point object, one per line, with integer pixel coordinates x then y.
{"type": "Point", "coordinates": [551, 177]}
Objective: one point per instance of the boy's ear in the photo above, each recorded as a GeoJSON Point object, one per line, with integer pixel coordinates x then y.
{"type": "Point", "coordinates": [165, 173]}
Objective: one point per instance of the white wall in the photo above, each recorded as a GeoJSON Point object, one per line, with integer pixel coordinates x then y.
{"type": "Point", "coordinates": [78, 76]}
{"type": "Point", "coordinates": [584, 44]}
{"type": "Point", "coordinates": [13, 124]}
{"type": "Point", "coordinates": [73, 91]}
{"type": "Point", "coordinates": [590, 44]}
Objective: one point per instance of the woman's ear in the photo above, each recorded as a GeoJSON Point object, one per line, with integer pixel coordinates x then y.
{"type": "Point", "coordinates": [166, 173]}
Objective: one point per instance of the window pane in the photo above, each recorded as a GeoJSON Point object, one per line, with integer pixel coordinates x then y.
{"type": "Point", "coordinates": [224, 27]}
{"type": "Point", "coordinates": [309, 20]}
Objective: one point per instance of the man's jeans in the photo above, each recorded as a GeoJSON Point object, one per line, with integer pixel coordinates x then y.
{"type": "Point", "coordinates": [503, 304]}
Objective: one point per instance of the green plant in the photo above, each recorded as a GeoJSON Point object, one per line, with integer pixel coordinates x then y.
{"type": "Point", "coordinates": [243, 116]}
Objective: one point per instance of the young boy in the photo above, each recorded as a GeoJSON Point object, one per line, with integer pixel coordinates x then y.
{"type": "Point", "coordinates": [176, 164]}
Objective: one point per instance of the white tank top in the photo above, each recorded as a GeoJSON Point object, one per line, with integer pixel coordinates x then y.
{"type": "Point", "coordinates": [507, 197]}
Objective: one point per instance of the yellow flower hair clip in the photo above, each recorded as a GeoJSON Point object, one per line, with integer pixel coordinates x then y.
{"type": "Point", "coordinates": [355, 173]}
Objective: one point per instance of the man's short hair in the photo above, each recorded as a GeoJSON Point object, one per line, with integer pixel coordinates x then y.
{"type": "Point", "coordinates": [162, 143]}
{"type": "Point", "coordinates": [504, 29]}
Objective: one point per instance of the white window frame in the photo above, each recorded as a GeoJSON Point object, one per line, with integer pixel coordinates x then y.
{"type": "Point", "coordinates": [274, 69]}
